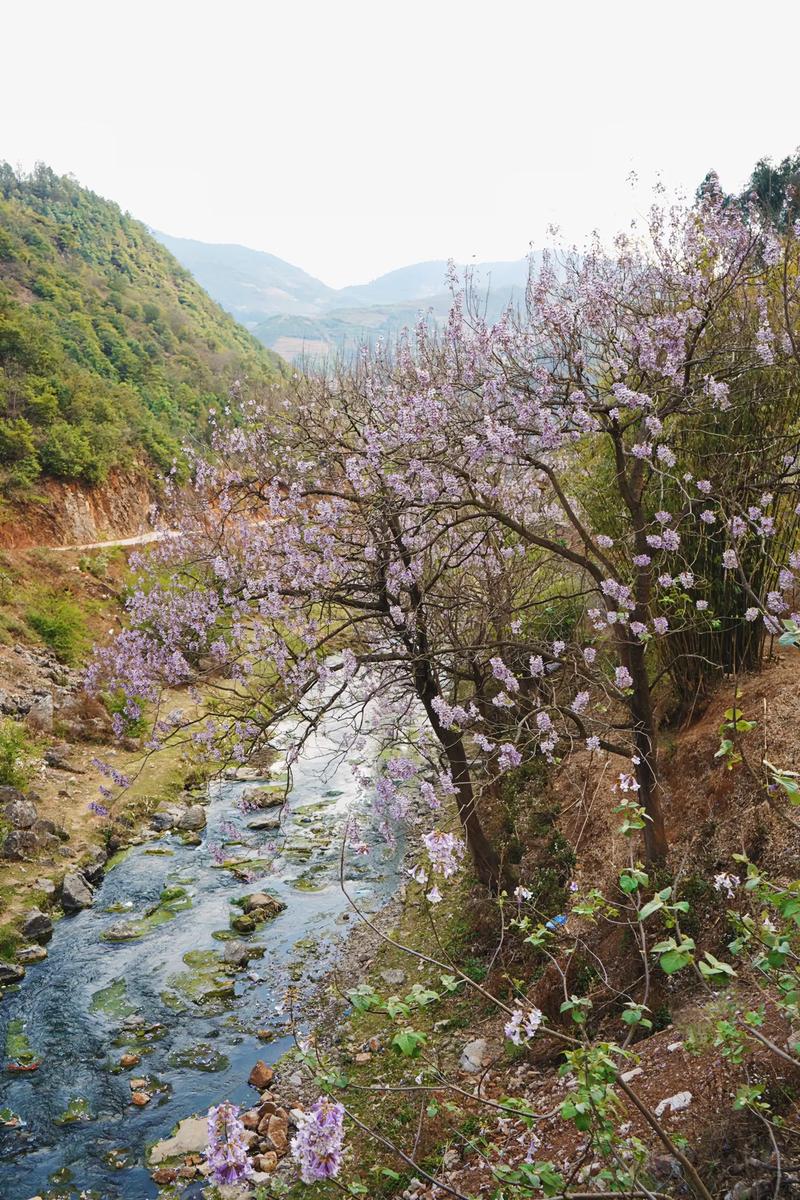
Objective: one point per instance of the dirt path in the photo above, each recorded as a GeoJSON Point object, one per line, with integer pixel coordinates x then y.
{"type": "Point", "coordinates": [140, 539]}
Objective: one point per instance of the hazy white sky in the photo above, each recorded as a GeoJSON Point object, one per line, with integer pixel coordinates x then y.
{"type": "Point", "coordinates": [351, 137]}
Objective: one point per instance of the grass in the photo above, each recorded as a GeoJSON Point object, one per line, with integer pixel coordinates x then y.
{"type": "Point", "coordinates": [17, 751]}
{"type": "Point", "coordinates": [60, 622]}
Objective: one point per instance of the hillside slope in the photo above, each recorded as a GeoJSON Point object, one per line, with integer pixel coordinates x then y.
{"type": "Point", "coordinates": [111, 355]}
{"type": "Point", "coordinates": [298, 316]}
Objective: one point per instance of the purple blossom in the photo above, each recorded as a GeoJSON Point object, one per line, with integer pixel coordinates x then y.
{"type": "Point", "coordinates": [227, 1151]}
{"type": "Point", "coordinates": [445, 851]}
{"type": "Point", "coordinates": [623, 678]}
{"type": "Point", "coordinates": [318, 1144]}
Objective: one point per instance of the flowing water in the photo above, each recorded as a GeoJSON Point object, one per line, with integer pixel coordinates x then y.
{"type": "Point", "coordinates": [161, 995]}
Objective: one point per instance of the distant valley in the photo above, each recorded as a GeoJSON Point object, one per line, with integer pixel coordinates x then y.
{"type": "Point", "coordinates": [297, 315]}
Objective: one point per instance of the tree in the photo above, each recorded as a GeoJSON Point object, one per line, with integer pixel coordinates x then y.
{"type": "Point", "coordinates": [417, 515]}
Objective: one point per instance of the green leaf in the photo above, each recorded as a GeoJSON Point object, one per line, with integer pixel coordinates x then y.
{"type": "Point", "coordinates": [409, 1042]}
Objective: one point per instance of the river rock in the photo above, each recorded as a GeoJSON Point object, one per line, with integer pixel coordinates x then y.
{"type": "Point", "coordinates": [261, 1075]}
{"type": "Point", "coordinates": [140, 1098]}
{"type": "Point", "coordinates": [75, 892]}
{"type": "Point", "coordinates": [10, 973]}
{"type": "Point", "coordinates": [238, 954]}
{"type": "Point", "coordinates": [37, 926]}
{"type": "Point", "coordinates": [166, 818]}
{"type": "Point", "coordinates": [20, 813]}
{"type": "Point", "coordinates": [191, 1137]}
{"type": "Point", "coordinates": [264, 797]}
{"type": "Point", "coordinates": [20, 844]}
{"type": "Point", "coordinates": [31, 954]}
{"type": "Point", "coordinates": [475, 1056]}
{"type": "Point", "coordinates": [193, 819]}
{"type": "Point", "coordinates": [265, 824]}
{"type": "Point", "coordinates": [94, 870]}
{"type": "Point", "coordinates": [262, 905]}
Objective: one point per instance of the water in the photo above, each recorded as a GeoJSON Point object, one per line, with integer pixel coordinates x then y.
{"type": "Point", "coordinates": [73, 1006]}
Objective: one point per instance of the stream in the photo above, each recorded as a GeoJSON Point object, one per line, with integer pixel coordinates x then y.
{"type": "Point", "coordinates": [161, 994]}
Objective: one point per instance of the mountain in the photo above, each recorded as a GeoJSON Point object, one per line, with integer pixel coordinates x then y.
{"type": "Point", "coordinates": [250, 284]}
{"type": "Point", "coordinates": [298, 316]}
{"type": "Point", "coordinates": [111, 355]}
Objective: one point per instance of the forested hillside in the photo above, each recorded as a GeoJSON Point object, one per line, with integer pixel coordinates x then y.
{"type": "Point", "coordinates": [110, 353]}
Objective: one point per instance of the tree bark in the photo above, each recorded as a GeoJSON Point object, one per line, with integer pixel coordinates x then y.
{"type": "Point", "coordinates": [644, 736]}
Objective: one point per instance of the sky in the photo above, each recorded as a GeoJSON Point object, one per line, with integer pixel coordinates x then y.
{"type": "Point", "coordinates": [353, 137]}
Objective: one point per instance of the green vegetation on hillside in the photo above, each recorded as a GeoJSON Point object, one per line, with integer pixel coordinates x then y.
{"type": "Point", "coordinates": [110, 352]}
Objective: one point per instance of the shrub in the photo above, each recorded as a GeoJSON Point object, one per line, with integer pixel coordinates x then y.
{"type": "Point", "coordinates": [60, 623]}
{"type": "Point", "coordinates": [16, 754]}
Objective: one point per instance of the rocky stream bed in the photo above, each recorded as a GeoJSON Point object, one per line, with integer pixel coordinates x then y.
{"type": "Point", "coordinates": [156, 998]}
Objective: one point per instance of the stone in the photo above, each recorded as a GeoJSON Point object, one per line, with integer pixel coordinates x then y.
{"type": "Point", "coordinates": [75, 892]}
{"type": "Point", "coordinates": [275, 1131]}
{"type": "Point", "coordinates": [94, 870]}
{"type": "Point", "coordinates": [264, 797]}
{"type": "Point", "coordinates": [20, 813]}
{"type": "Point", "coordinates": [191, 1137]}
{"type": "Point", "coordinates": [9, 973]}
{"type": "Point", "coordinates": [193, 819]}
{"type": "Point", "coordinates": [261, 1075]}
{"type": "Point", "coordinates": [130, 1060]}
{"type": "Point", "coordinates": [37, 926]}
{"type": "Point", "coordinates": [251, 1119]}
{"type": "Point", "coordinates": [31, 954]}
{"type": "Point", "coordinates": [676, 1103]}
{"type": "Point", "coordinates": [262, 906]}
{"type": "Point", "coordinates": [20, 844]}
{"type": "Point", "coordinates": [243, 923]}
{"type": "Point", "coordinates": [8, 794]}
{"type": "Point", "coordinates": [238, 954]}
{"type": "Point", "coordinates": [40, 713]}
{"type": "Point", "coordinates": [164, 1175]}
{"type": "Point", "coordinates": [265, 1164]}
{"type": "Point", "coordinates": [265, 824]}
{"type": "Point", "coordinates": [475, 1056]}
{"type": "Point", "coordinates": [393, 977]}
{"type": "Point", "coordinates": [166, 818]}
{"type": "Point", "coordinates": [362, 1058]}
{"type": "Point", "coordinates": [140, 1098]}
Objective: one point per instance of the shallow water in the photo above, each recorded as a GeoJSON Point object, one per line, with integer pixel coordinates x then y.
{"type": "Point", "coordinates": [84, 1006]}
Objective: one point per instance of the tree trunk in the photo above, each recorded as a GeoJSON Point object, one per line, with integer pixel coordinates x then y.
{"type": "Point", "coordinates": [641, 704]}
{"type": "Point", "coordinates": [484, 856]}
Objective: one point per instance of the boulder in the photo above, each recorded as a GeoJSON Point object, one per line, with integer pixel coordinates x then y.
{"type": "Point", "coordinates": [262, 906]}
{"type": "Point", "coordinates": [20, 813]}
{"type": "Point", "coordinates": [94, 870]}
{"type": "Point", "coordinates": [264, 797]}
{"type": "Point", "coordinates": [261, 1075]}
{"type": "Point", "coordinates": [265, 824]}
{"type": "Point", "coordinates": [20, 844]}
{"type": "Point", "coordinates": [75, 892]}
{"type": "Point", "coordinates": [166, 818]}
{"type": "Point", "coordinates": [37, 926]}
{"type": "Point", "coordinates": [9, 794]}
{"type": "Point", "coordinates": [40, 713]}
{"type": "Point", "coordinates": [30, 954]}
{"type": "Point", "coordinates": [191, 1137]}
{"type": "Point", "coordinates": [238, 954]}
{"type": "Point", "coordinates": [193, 819]}
{"type": "Point", "coordinates": [10, 973]}
{"type": "Point", "coordinates": [42, 826]}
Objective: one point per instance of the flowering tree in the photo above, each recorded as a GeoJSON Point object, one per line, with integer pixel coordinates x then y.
{"type": "Point", "coordinates": [405, 531]}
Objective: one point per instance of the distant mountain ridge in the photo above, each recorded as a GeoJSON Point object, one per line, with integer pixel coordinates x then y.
{"type": "Point", "coordinates": [296, 314]}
